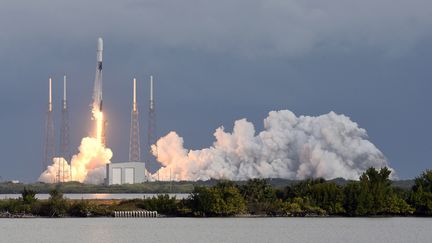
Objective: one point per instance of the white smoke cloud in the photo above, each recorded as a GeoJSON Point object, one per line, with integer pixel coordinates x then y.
{"type": "Point", "coordinates": [59, 169]}
{"type": "Point", "coordinates": [88, 165]}
{"type": "Point", "coordinates": [291, 147]}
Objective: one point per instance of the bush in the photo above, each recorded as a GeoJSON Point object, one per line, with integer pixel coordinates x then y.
{"type": "Point", "coordinates": [80, 209]}
{"type": "Point", "coordinates": [55, 206]}
{"type": "Point", "coordinates": [28, 196]}
{"type": "Point", "coordinates": [224, 199]}
{"type": "Point", "coordinates": [260, 197]}
{"type": "Point", "coordinates": [163, 204]}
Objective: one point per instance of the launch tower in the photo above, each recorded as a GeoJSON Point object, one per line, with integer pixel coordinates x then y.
{"type": "Point", "coordinates": [49, 131]}
{"type": "Point", "coordinates": [134, 143]}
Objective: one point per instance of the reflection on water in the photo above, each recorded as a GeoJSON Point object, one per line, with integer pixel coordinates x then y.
{"type": "Point", "coordinates": [100, 195]}
{"type": "Point", "coordinates": [314, 230]}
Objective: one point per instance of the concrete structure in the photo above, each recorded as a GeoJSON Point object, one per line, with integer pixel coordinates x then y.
{"type": "Point", "coordinates": [125, 173]}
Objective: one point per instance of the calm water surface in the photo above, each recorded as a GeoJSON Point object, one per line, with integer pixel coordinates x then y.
{"type": "Point", "coordinates": [217, 230]}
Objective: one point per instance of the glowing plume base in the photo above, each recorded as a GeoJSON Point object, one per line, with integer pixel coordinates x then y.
{"type": "Point", "coordinates": [88, 166]}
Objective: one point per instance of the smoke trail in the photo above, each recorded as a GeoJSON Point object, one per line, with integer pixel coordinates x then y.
{"type": "Point", "coordinates": [290, 147]}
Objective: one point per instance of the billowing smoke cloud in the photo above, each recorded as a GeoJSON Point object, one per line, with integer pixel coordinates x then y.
{"type": "Point", "coordinates": [88, 165]}
{"type": "Point", "coordinates": [59, 169]}
{"type": "Point", "coordinates": [291, 147]}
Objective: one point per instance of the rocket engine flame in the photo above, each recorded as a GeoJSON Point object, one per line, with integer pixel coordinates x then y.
{"type": "Point", "coordinates": [99, 125]}
{"type": "Point", "coordinates": [290, 147]}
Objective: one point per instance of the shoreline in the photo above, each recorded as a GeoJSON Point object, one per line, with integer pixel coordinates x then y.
{"type": "Point", "coordinates": [29, 216]}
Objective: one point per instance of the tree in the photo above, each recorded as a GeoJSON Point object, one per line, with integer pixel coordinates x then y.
{"type": "Point", "coordinates": [163, 204]}
{"type": "Point", "coordinates": [28, 196]}
{"type": "Point", "coordinates": [224, 199]}
{"type": "Point", "coordinates": [378, 186]}
{"type": "Point", "coordinates": [317, 196]}
{"type": "Point", "coordinates": [79, 209]}
{"type": "Point", "coordinates": [373, 195]}
{"type": "Point", "coordinates": [56, 194]}
{"type": "Point", "coordinates": [260, 197]}
{"type": "Point", "coordinates": [327, 196]}
{"type": "Point", "coordinates": [351, 198]}
{"type": "Point", "coordinates": [421, 196]}
{"type": "Point", "coordinates": [56, 206]}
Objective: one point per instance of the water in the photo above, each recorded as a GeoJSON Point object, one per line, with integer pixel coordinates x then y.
{"type": "Point", "coordinates": [217, 230]}
{"type": "Point", "coordinates": [99, 195]}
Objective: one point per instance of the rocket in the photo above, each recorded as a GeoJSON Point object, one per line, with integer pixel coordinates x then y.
{"type": "Point", "coordinates": [97, 91]}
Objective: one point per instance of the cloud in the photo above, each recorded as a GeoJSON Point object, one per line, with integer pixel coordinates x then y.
{"type": "Point", "coordinates": [245, 27]}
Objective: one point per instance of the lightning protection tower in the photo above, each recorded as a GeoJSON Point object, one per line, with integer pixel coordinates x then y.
{"type": "Point", "coordinates": [151, 132]}
{"type": "Point", "coordinates": [49, 131]}
{"type": "Point", "coordinates": [134, 143]}
{"type": "Point", "coordinates": [65, 151]}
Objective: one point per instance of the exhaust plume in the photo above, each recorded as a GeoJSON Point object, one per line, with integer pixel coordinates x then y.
{"type": "Point", "coordinates": [289, 147]}
{"type": "Point", "coordinates": [88, 165]}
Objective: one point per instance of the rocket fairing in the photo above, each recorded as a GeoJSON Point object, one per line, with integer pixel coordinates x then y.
{"type": "Point", "coordinates": [97, 91]}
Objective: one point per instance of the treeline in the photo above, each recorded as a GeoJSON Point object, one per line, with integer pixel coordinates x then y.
{"type": "Point", "coordinates": [372, 195]}
{"type": "Point", "coordinates": [153, 186]}
{"type": "Point", "coordinates": [77, 187]}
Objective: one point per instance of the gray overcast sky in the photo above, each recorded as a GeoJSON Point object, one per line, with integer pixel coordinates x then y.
{"type": "Point", "coordinates": [215, 62]}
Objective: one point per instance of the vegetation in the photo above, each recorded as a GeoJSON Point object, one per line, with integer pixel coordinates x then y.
{"type": "Point", "coordinates": [421, 195]}
{"type": "Point", "coordinates": [224, 199]}
{"type": "Point", "coordinates": [154, 187]}
{"type": "Point", "coordinates": [373, 195]}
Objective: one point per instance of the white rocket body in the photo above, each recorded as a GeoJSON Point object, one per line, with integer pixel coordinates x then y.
{"type": "Point", "coordinates": [99, 50]}
{"type": "Point", "coordinates": [151, 93]}
{"type": "Point", "coordinates": [49, 95]}
{"type": "Point", "coordinates": [97, 91]}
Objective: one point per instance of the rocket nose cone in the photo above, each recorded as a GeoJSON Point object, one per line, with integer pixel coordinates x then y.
{"type": "Point", "coordinates": [100, 44]}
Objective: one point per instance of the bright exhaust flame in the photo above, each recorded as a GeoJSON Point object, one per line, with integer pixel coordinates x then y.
{"type": "Point", "coordinates": [99, 121]}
